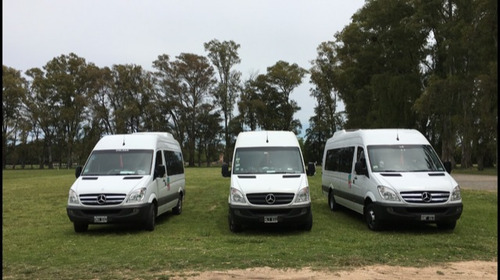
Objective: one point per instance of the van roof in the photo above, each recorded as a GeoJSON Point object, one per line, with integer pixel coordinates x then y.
{"type": "Point", "coordinates": [264, 138]}
{"type": "Point", "coordinates": [383, 136]}
{"type": "Point", "coordinates": [138, 140]}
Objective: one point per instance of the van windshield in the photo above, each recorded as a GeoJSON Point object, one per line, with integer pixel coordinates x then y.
{"type": "Point", "coordinates": [266, 160]}
{"type": "Point", "coordinates": [404, 158]}
{"type": "Point", "coordinates": [119, 162]}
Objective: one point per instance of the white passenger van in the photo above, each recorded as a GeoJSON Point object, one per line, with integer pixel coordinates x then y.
{"type": "Point", "coordinates": [268, 181]}
{"type": "Point", "coordinates": [389, 175]}
{"type": "Point", "coordinates": [128, 178]}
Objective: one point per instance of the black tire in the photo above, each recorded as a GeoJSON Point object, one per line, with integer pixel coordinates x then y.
{"type": "Point", "coordinates": [150, 222]}
{"type": "Point", "coordinates": [371, 218]}
{"type": "Point", "coordinates": [308, 224]}
{"type": "Point", "coordinates": [80, 227]}
{"type": "Point", "coordinates": [331, 202]}
{"type": "Point", "coordinates": [233, 226]}
{"type": "Point", "coordinates": [177, 210]}
{"type": "Point", "coordinates": [448, 225]}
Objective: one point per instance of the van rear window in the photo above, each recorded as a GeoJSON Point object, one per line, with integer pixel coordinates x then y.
{"type": "Point", "coordinates": [119, 162]}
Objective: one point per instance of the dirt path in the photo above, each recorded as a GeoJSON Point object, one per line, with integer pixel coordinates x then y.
{"type": "Point", "coordinates": [451, 271]}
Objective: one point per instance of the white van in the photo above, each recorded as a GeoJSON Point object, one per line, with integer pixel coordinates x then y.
{"type": "Point", "coordinates": [268, 181]}
{"type": "Point", "coordinates": [128, 178]}
{"type": "Point", "coordinates": [389, 175]}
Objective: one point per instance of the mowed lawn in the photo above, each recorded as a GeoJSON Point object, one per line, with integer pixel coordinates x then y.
{"type": "Point", "coordinates": [39, 241]}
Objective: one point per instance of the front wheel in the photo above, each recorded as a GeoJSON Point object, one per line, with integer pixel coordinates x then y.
{"type": "Point", "coordinates": [308, 224]}
{"type": "Point", "coordinates": [80, 227]}
{"type": "Point", "coordinates": [448, 225]}
{"type": "Point", "coordinates": [371, 218]}
{"type": "Point", "coordinates": [233, 226]}
{"type": "Point", "coordinates": [150, 222]}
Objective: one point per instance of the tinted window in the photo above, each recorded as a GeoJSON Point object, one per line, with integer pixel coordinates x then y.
{"type": "Point", "coordinates": [174, 163]}
{"type": "Point", "coordinates": [339, 159]}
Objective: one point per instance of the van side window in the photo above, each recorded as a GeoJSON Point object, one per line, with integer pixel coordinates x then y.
{"type": "Point", "coordinates": [174, 163]}
{"type": "Point", "coordinates": [339, 159]}
{"type": "Point", "coordinates": [159, 160]}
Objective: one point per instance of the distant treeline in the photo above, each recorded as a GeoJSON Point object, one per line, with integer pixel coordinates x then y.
{"type": "Point", "coordinates": [428, 65]}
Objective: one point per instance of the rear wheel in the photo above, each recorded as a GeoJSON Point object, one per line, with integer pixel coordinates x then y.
{"type": "Point", "coordinates": [331, 202]}
{"type": "Point", "coordinates": [371, 218]}
{"type": "Point", "coordinates": [177, 210]}
{"type": "Point", "coordinates": [150, 223]}
{"type": "Point", "coordinates": [80, 227]}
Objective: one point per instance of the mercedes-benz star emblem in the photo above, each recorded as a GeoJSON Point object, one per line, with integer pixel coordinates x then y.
{"type": "Point", "coordinates": [270, 198]}
{"type": "Point", "coordinates": [101, 199]}
{"type": "Point", "coordinates": [426, 197]}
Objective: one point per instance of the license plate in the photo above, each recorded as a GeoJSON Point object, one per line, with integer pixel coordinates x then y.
{"type": "Point", "coordinates": [427, 218]}
{"type": "Point", "coordinates": [270, 219]}
{"type": "Point", "coordinates": [100, 219]}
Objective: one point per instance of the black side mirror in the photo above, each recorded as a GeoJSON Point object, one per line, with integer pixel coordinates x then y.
{"type": "Point", "coordinates": [311, 169]}
{"type": "Point", "coordinates": [159, 171]}
{"type": "Point", "coordinates": [225, 170]}
{"type": "Point", "coordinates": [78, 171]}
{"type": "Point", "coordinates": [360, 168]}
{"type": "Point", "coordinates": [447, 166]}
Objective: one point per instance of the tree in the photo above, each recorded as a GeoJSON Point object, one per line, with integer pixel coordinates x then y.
{"type": "Point", "coordinates": [377, 66]}
{"type": "Point", "coordinates": [224, 55]}
{"type": "Point", "coordinates": [14, 91]}
{"type": "Point", "coordinates": [131, 96]}
{"type": "Point", "coordinates": [189, 83]}
{"type": "Point", "coordinates": [275, 110]}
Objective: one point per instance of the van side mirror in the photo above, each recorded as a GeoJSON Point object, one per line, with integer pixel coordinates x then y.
{"type": "Point", "coordinates": [225, 170]}
{"type": "Point", "coordinates": [78, 171]}
{"type": "Point", "coordinates": [159, 171]}
{"type": "Point", "coordinates": [360, 168]}
{"type": "Point", "coordinates": [311, 169]}
{"type": "Point", "coordinates": [447, 166]}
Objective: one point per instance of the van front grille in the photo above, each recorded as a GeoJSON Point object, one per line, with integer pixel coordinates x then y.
{"type": "Point", "coordinates": [425, 196]}
{"type": "Point", "coordinates": [270, 198]}
{"type": "Point", "coordinates": [102, 199]}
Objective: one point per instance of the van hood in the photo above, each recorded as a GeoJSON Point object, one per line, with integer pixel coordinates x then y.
{"type": "Point", "coordinates": [108, 184]}
{"type": "Point", "coordinates": [266, 183]}
{"type": "Point", "coordinates": [417, 181]}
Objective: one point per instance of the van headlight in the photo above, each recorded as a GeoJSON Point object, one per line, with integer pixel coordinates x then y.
{"type": "Point", "coordinates": [236, 196]}
{"type": "Point", "coordinates": [455, 194]}
{"type": "Point", "coordinates": [137, 196]}
{"type": "Point", "coordinates": [303, 195]}
{"type": "Point", "coordinates": [387, 193]}
{"type": "Point", "coordinates": [73, 197]}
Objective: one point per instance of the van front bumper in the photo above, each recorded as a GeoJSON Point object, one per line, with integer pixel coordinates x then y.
{"type": "Point", "coordinates": [251, 215]}
{"type": "Point", "coordinates": [115, 215]}
{"type": "Point", "coordinates": [420, 213]}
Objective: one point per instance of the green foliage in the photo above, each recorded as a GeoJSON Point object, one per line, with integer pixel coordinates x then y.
{"type": "Point", "coordinates": [39, 241]}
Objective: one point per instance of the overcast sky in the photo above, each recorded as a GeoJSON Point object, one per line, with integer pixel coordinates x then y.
{"type": "Point", "coordinates": [108, 32]}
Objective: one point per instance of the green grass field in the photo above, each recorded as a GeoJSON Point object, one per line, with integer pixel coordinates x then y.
{"type": "Point", "coordinates": [39, 241]}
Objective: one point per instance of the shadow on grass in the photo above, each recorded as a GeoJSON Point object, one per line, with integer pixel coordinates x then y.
{"type": "Point", "coordinates": [124, 229]}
